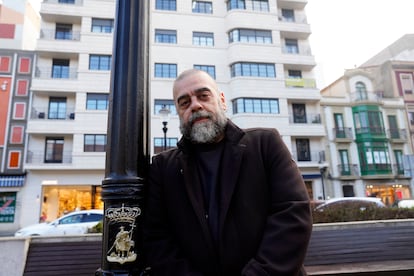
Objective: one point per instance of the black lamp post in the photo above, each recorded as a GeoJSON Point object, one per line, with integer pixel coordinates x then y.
{"type": "Point", "coordinates": [127, 158]}
{"type": "Point", "coordinates": [322, 171]}
{"type": "Point", "coordinates": [165, 113]}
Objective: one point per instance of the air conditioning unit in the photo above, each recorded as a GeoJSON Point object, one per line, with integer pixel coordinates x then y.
{"type": "Point", "coordinates": [72, 116]}
{"type": "Point", "coordinates": [41, 115]}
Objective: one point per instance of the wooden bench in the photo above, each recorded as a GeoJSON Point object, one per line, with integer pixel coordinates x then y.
{"type": "Point", "coordinates": [380, 248]}
{"type": "Point", "coordinates": [376, 246]}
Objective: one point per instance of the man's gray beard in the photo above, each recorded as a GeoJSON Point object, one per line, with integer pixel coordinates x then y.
{"type": "Point", "coordinates": [204, 132]}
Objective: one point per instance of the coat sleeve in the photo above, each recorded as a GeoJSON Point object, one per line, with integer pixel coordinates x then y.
{"type": "Point", "coordinates": [162, 254]}
{"type": "Point", "coordinates": [289, 222]}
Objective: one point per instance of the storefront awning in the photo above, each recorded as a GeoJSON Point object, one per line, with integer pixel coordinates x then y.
{"type": "Point", "coordinates": [11, 180]}
{"type": "Point", "coordinates": [311, 176]}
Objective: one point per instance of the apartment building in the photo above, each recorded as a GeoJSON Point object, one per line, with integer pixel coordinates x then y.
{"type": "Point", "coordinates": [19, 26]}
{"type": "Point", "coordinates": [257, 51]}
{"type": "Point", "coordinates": [367, 115]}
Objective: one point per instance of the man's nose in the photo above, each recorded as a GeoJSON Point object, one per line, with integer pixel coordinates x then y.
{"type": "Point", "coordinates": [195, 104]}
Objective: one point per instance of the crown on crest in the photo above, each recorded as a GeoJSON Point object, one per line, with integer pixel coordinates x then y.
{"type": "Point", "coordinates": [124, 214]}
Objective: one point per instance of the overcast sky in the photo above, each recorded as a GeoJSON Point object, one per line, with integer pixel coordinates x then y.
{"type": "Point", "coordinates": [346, 33]}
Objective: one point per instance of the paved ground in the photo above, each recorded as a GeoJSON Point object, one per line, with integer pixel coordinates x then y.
{"type": "Point", "coordinates": [385, 268]}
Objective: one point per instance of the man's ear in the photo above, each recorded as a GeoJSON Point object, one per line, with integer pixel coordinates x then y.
{"type": "Point", "coordinates": [223, 101]}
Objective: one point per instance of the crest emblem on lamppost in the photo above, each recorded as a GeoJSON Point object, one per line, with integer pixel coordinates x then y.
{"type": "Point", "coordinates": [121, 250]}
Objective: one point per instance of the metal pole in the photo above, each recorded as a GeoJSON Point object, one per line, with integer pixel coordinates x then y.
{"type": "Point", "coordinates": [127, 156]}
{"type": "Point", "coordinates": [322, 170]}
{"type": "Point", "coordinates": [165, 129]}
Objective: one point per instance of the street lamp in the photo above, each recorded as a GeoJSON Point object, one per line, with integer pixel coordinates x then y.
{"type": "Point", "coordinates": [322, 171]}
{"type": "Point", "coordinates": [165, 115]}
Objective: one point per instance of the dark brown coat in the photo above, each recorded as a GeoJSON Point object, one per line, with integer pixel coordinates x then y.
{"type": "Point", "coordinates": [265, 219]}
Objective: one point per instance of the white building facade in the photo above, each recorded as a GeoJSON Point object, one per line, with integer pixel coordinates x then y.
{"type": "Point", "coordinates": [257, 51]}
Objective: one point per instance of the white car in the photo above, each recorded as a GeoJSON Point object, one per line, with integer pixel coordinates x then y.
{"type": "Point", "coordinates": [74, 223]}
{"type": "Point", "coordinates": [406, 203]}
{"type": "Point", "coordinates": [350, 202]}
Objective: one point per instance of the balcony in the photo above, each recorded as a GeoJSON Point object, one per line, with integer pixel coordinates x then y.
{"type": "Point", "coordinates": [377, 171]}
{"type": "Point", "coordinates": [399, 172]}
{"type": "Point", "coordinates": [348, 171]}
{"type": "Point", "coordinates": [63, 11]}
{"type": "Point", "coordinates": [397, 135]}
{"type": "Point", "coordinates": [307, 119]}
{"type": "Point", "coordinates": [311, 157]}
{"type": "Point", "coordinates": [50, 73]}
{"type": "Point", "coordinates": [50, 34]}
{"type": "Point", "coordinates": [43, 114]}
{"type": "Point", "coordinates": [370, 133]}
{"type": "Point", "coordinates": [299, 82]}
{"type": "Point", "coordinates": [367, 97]}
{"type": "Point", "coordinates": [38, 157]}
{"type": "Point", "coordinates": [296, 27]}
{"type": "Point", "coordinates": [343, 134]}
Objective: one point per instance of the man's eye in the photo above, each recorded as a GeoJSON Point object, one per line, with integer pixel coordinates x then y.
{"type": "Point", "coordinates": [183, 103]}
{"type": "Point", "coordinates": [204, 96]}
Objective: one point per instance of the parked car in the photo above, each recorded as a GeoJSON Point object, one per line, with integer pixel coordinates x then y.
{"type": "Point", "coordinates": [74, 223]}
{"type": "Point", "coordinates": [350, 202]}
{"type": "Point", "coordinates": [406, 203]}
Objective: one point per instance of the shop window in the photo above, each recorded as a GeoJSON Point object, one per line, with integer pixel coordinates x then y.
{"type": "Point", "coordinates": [16, 136]}
{"type": "Point", "coordinates": [8, 209]}
{"type": "Point", "coordinates": [24, 65]}
{"type": "Point", "coordinates": [348, 190]}
{"type": "Point", "coordinates": [22, 87]}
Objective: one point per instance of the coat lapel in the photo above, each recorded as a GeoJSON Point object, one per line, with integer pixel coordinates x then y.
{"type": "Point", "coordinates": [231, 162]}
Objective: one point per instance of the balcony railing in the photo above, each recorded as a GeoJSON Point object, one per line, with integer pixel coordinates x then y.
{"type": "Point", "coordinates": [305, 51]}
{"type": "Point", "coordinates": [308, 119]}
{"type": "Point", "coordinates": [343, 133]}
{"type": "Point", "coordinates": [370, 130]}
{"type": "Point", "coordinates": [67, 2]}
{"type": "Point", "coordinates": [398, 170]}
{"type": "Point", "coordinates": [296, 19]}
{"type": "Point", "coordinates": [397, 134]}
{"type": "Point", "coordinates": [43, 113]}
{"type": "Point", "coordinates": [49, 73]}
{"type": "Point", "coordinates": [348, 170]}
{"type": "Point", "coordinates": [376, 96]}
{"type": "Point", "coordinates": [312, 156]}
{"type": "Point", "coordinates": [304, 83]}
{"type": "Point", "coordinates": [50, 34]}
{"type": "Point", "coordinates": [38, 157]}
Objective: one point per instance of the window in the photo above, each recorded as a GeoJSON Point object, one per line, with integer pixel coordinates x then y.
{"type": "Point", "coordinates": [256, 5]}
{"type": "Point", "coordinates": [369, 122]}
{"type": "Point", "coordinates": [60, 69]}
{"type": "Point", "coordinates": [5, 63]}
{"type": "Point", "coordinates": [63, 31]}
{"type": "Point", "coordinates": [165, 70]}
{"type": "Point", "coordinates": [169, 5]}
{"type": "Point", "coordinates": [345, 167]}
{"type": "Point", "coordinates": [7, 30]}
{"type": "Point", "coordinates": [339, 125]}
{"type": "Point", "coordinates": [166, 36]}
{"type": "Point", "coordinates": [210, 69]}
{"type": "Point", "coordinates": [249, 69]}
{"type": "Point", "coordinates": [361, 91]}
{"type": "Point", "coordinates": [16, 136]}
{"type": "Point", "coordinates": [100, 25]}
{"type": "Point", "coordinates": [407, 84]}
{"type": "Point", "coordinates": [250, 36]}
{"type": "Point", "coordinates": [94, 143]}
{"type": "Point", "coordinates": [159, 104]}
{"type": "Point", "coordinates": [8, 203]}
{"type": "Point", "coordinates": [202, 7]}
{"type": "Point", "coordinates": [256, 105]}
{"type": "Point", "coordinates": [96, 101]}
{"type": "Point", "coordinates": [54, 150]}
{"type": "Point", "coordinates": [299, 113]}
{"type": "Point", "coordinates": [295, 74]}
{"type": "Point", "coordinates": [303, 150]}
{"type": "Point", "coordinates": [14, 159]}
{"type": "Point", "coordinates": [57, 108]}
{"type": "Point", "coordinates": [100, 62]}
{"type": "Point", "coordinates": [288, 15]}
{"type": "Point", "coordinates": [374, 157]}
{"type": "Point", "coordinates": [22, 87]}
{"type": "Point", "coordinates": [394, 130]}
{"type": "Point", "coordinates": [203, 39]}
{"type": "Point", "coordinates": [398, 154]}
{"type": "Point", "coordinates": [291, 46]}
{"type": "Point", "coordinates": [67, 1]}
{"type": "Point", "coordinates": [19, 112]}
{"type": "Point", "coordinates": [24, 65]}
{"type": "Point", "coordinates": [159, 144]}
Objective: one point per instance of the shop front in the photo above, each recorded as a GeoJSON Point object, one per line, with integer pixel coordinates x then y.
{"type": "Point", "coordinates": [60, 200]}
{"type": "Point", "coordinates": [390, 193]}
